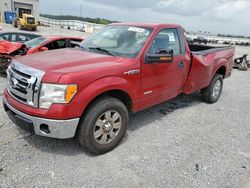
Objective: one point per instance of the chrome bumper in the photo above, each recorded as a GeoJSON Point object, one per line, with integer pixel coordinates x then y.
{"type": "Point", "coordinates": [44, 127]}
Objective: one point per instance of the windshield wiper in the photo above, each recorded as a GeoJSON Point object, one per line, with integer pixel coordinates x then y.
{"type": "Point", "coordinates": [102, 50]}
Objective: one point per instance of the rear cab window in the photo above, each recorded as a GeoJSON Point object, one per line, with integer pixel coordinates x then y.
{"type": "Point", "coordinates": [22, 38]}
{"type": "Point", "coordinates": [4, 37]}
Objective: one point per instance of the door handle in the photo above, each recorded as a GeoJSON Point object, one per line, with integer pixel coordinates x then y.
{"type": "Point", "coordinates": [181, 64]}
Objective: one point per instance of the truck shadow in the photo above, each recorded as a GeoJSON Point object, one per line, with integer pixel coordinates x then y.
{"type": "Point", "coordinates": [160, 111]}
{"type": "Point", "coordinates": [70, 147]}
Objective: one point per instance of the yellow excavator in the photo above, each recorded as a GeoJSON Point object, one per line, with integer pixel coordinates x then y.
{"type": "Point", "coordinates": [25, 20]}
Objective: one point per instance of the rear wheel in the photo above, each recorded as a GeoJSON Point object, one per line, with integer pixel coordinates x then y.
{"type": "Point", "coordinates": [211, 94]}
{"type": "Point", "coordinates": [103, 126]}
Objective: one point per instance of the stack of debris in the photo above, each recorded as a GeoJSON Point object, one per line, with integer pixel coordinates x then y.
{"type": "Point", "coordinates": [242, 63]}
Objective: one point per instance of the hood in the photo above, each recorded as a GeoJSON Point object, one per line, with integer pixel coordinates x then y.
{"type": "Point", "coordinates": [68, 60]}
{"type": "Point", "coordinates": [7, 47]}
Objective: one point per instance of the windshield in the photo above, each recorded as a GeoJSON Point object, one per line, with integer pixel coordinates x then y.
{"type": "Point", "coordinates": [125, 41]}
{"type": "Point", "coordinates": [36, 42]}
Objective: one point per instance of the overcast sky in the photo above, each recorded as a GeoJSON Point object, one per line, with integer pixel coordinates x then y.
{"type": "Point", "coordinates": [217, 16]}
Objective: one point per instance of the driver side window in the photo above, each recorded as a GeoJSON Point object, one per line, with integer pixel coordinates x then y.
{"type": "Point", "coordinates": [58, 44]}
{"type": "Point", "coordinates": [166, 40]}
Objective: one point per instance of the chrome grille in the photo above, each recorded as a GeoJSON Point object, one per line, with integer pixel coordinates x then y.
{"type": "Point", "coordinates": [24, 83]}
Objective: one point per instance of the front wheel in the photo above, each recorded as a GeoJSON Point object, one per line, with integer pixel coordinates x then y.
{"type": "Point", "coordinates": [20, 27]}
{"type": "Point", "coordinates": [211, 94]}
{"type": "Point", "coordinates": [103, 126]}
{"type": "Point", "coordinates": [14, 23]}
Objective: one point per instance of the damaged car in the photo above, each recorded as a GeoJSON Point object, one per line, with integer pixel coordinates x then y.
{"type": "Point", "coordinates": [9, 50]}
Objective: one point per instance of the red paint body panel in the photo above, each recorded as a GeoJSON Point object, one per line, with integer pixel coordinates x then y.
{"type": "Point", "coordinates": [97, 73]}
{"type": "Point", "coordinates": [7, 47]}
{"type": "Point", "coordinates": [204, 68]}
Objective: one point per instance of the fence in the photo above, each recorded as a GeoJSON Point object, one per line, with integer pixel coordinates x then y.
{"type": "Point", "coordinates": [71, 24]}
{"type": "Point", "coordinates": [91, 27]}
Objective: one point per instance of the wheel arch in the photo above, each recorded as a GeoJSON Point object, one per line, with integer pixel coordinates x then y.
{"type": "Point", "coordinates": [115, 93]}
{"type": "Point", "coordinates": [116, 87]}
{"type": "Point", "coordinates": [221, 70]}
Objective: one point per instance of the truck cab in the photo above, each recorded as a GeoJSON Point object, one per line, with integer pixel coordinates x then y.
{"type": "Point", "coordinates": [88, 92]}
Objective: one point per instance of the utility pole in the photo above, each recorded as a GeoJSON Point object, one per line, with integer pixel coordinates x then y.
{"type": "Point", "coordinates": [60, 20]}
{"type": "Point", "coordinates": [81, 8]}
{"type": "Point", "coordinates": [81, 19]}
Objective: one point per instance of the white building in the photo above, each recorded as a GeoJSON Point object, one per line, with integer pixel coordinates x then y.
{"type": "Point", "coordinates": [13, 5]}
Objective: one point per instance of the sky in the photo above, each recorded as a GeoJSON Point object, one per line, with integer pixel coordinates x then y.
{"type": "Point", "coordinates": [216, 16]}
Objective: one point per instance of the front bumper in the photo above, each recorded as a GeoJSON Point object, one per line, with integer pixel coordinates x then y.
{"type": "Point", "coordinates": [30, 25]}
{"type": "Point", "coordinates": [44, 127]}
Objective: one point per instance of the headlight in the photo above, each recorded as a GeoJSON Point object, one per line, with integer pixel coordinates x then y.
{"type": "Point", "coordinates": [55, 93]}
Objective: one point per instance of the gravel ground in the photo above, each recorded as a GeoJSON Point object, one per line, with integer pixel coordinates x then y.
{"type": "Point", "coordinates": [180, 143]}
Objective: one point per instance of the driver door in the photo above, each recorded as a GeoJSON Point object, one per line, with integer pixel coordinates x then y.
{"type": "Point", "coordinates": [162, 80]}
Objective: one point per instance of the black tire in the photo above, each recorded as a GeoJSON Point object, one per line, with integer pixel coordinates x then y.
{"type": "Point", "coordinates": [85, 133]}
{"type": "Point", "coordinates": [207, 93]}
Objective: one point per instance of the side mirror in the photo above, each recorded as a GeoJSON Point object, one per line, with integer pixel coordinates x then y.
{"type": "Point", "coordinates": [163, 56]}
{"type": "Point", "coordinates": [43, 49]}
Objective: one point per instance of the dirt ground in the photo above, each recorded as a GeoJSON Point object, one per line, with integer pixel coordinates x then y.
{"type": "Point", "coordinates": [180, 143]}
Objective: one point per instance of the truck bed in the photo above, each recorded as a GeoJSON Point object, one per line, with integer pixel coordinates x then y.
{"type": "Point", "coordinates": [206, 60]}
{"type": "Point", "coordinates": [204, 50]}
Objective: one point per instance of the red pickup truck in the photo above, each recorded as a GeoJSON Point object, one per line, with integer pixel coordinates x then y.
{"type": "Point", "coordinates": [88, 92]}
